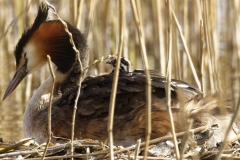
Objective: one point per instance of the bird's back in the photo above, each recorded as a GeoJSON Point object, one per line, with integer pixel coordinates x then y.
{"type": "Point", "coordinates": [130, 107]}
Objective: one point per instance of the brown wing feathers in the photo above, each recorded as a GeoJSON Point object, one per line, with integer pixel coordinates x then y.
{"type": "Point", "coordinates": [96, 91]}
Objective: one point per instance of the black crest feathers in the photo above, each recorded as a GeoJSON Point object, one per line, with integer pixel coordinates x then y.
{"type": "Point", "coordinates": [41, 17]}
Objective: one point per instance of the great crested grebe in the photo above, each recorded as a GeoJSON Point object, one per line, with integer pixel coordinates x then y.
{"type": "Point", "coordinates": [48, 37]}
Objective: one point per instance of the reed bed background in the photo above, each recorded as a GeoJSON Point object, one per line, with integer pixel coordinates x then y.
{"type": "Point", "coordinates": [210, 29]}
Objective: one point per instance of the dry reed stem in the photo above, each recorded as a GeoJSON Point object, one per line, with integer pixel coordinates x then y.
{"type": "Point", "coordinates": [148, 80]}
{"type": "Point", "coordinates": [79, 15]}
{"type": "Point", "coordinates": [175, 54]}
{"type": "Point", "coordinates": [35, 148]}
{"type": "Point", "coordinates": [80, 76]}
{"type": "Point", "coordinates": [6, 145]}
{"type": "Point", "coordinates": [161, 39]}
{"type": "Point", "coordinates": [186, 49]}
{"type": "Point", "coordinates": [52, 157]}
{"type": "Point", "coordinates": [234, 117]}
{"type": "Point", "coordinates": [213, 79]}
{"type": "Point", "coordinates": [202, 58]}
{"type": "Point", "coordinates": [90, 17]}
{"type": "Point", "coordinates": [28, 79]}
{"type": "Point", "coordinates": [15, 145]}
{"type": "Point", "coordinates": [137, 149]}
{"type": "Point", "coordinates": [28, 89]}
{"type": "Point", "coordinates": [169, 78]}
{"type": "Point", "coordinates": [185, 139]}
{"type": "Point", "coordinates": [210, 19]}
{"type": "Point", "coordinates": [115, 79]}
{"type": "Point", "coordinates": [237, 137]}
{"type": "Point", "coordinates": [185, 25]}
{"type": "Point", "coordinates": [50, 106]}
{"type": "Point", "coordinates": [236, 50]}
{"type": "Point", "coordinates": [229, 157]}
{"type": "Point", "coordinates": [158, 46]}
{"type": "Point", "coordinates": [74, 8]}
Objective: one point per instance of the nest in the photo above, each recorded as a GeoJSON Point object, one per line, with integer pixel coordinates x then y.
{"type": "Point", "coordinates": [192, 145]}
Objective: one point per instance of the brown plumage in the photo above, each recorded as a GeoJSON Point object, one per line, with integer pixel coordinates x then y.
{"type": "Point", "coordinates": [47, 37]}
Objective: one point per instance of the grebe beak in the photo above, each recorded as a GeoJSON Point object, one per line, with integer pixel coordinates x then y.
{"type": "Point", "coordinates": [17, 78]}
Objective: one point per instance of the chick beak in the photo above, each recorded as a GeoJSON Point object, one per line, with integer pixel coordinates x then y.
{"type": "Point", "coordinates": [108, 62]}
{"type": "Point", "coordinates": [17, 78]}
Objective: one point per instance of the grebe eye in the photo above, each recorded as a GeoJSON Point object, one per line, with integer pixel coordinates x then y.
{"type": "Point", "coordinates": [25, 55]}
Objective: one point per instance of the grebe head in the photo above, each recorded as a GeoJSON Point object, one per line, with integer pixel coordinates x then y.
{"type": "Point", "coordinates": [46, 37]}
{"type": "Point", "coordinates": [125, 64]}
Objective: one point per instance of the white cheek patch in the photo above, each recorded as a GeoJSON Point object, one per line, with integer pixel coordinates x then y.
{"type": "Point", "coordinates": [35, 61]}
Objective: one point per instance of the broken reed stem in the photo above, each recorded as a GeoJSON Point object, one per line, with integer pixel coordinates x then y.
{"type": "Point", "coordinates": [236, 113]}
{"type": "Point", "coordinates": [137, 149]}
{"type": "Point", "coordinates": [148, 80]}
{"type": "Point", "coordinates": [186, 48]}
{"type": "Point", "coordinates": [164, 138]}
{"type": "Point", "coordinates": [49, 107]}
{"type": "Point", "coordinates": [88, 153]}
{"type": "Point", "coordinates": [115, 80]}
{"type": "Point", "coordinates": [80, 76]}
{"type": "Point", "coordinates": [235, 138]}
{"type": "Point", "coordinates": [169, 78]}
